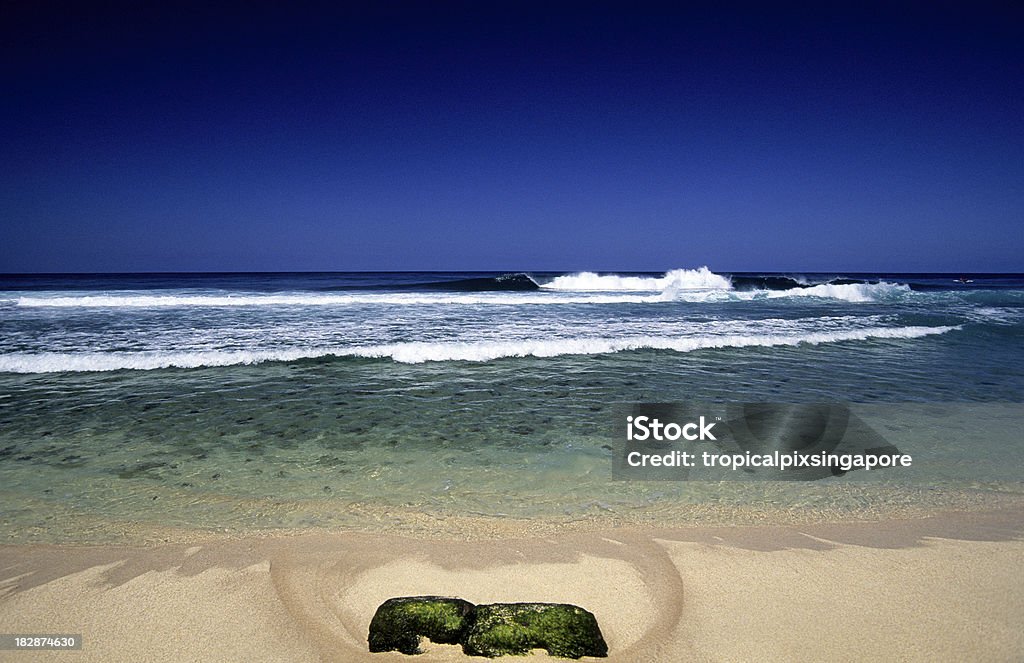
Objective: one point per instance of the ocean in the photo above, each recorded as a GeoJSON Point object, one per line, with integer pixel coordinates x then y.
{"type": "Point", "coordinates": [411, 401]}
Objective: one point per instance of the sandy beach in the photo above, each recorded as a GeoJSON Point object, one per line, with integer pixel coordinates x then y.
{"type": "Point", "coordinates": [941, 588]}
{"type": "Point", "coordinates": [705, 319]}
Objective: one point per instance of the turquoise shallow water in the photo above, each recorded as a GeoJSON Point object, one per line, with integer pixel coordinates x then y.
{"type": "Point", "coordinates": [269, 402]}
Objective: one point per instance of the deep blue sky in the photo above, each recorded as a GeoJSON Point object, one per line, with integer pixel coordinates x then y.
{"type": "Point", "coordinates": [512, 135]}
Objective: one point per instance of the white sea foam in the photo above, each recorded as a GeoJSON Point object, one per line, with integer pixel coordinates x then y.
{"type": "Point", "coordinates": [998, 315]}
{"type": "Point", "coordinates": [677, 279]}
{"type": "Point", "coordinates": [850, 292]}
{"type": "Point", "coordinates": [185, 300]}
{"type": "Point", "coordinates": [486, 351]}
{"type": "Point", "coordinates": [691, 285]}
{"type": "Point", "coordinates": [419, 352]}
{"type": "Point", "coordinates": [389, 299]}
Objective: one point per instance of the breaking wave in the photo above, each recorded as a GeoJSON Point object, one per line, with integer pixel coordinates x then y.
{"type": "Point", "coordinates": [704, 285]}
{"type": "Point", "coordinates": [419, 352]}
{"type": "Point", "coordinates": [850, 292]}
{"type": "Point", "coordinates": [691, 285]}
{"type": "Point", "coordinates": [677, 279]}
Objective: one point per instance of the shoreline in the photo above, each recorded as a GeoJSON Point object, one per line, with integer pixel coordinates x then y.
{"type": "Point", "coordinates": [831, 505]}
{"type": "Point", "coordinates": [942, 587]}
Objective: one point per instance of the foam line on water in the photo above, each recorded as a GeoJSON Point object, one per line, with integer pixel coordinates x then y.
{"type": "Point", "coordinates": [419, 352]}
{"type": "Point", "coordinates": [861, 292]}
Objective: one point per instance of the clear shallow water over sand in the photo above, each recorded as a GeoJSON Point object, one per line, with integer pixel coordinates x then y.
{"type": "Point", "coordinates": [368, 400]}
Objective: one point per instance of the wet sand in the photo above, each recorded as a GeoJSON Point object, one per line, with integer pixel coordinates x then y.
{"type": "Point", "coordinates": [940, 588]}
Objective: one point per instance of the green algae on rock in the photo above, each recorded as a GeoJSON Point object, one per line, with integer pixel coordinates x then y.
{"type": "Point", "coordinates": [399, 623]}
{"type": "Point", "coordinates": [563, 630]}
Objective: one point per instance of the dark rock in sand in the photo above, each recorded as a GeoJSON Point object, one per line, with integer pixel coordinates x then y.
{"type": "Point", "coordinates": [563, 630]}
{"type": "Point", "coordinates": [399, 623]}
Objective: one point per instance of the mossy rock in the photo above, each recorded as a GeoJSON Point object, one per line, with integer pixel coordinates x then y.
{"type": "Point", "coordinates": [399, 623]}
{"type": "Point", "coordinates": [516, 628]}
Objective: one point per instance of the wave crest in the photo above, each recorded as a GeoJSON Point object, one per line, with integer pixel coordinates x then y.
{"type": "Point", "coordinates": [676, 279]}
{"type": "Point", "coordinates": [704, 285]}
{"type": "Point", "coordinates": [692, 285]}
{"type": "Point", "coordinates": [420, 352]}
{"type": "Point", "coordinates": [850, 292]}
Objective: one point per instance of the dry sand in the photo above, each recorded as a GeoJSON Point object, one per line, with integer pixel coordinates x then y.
{"type": "Point", "coordinates": [945, 588]}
